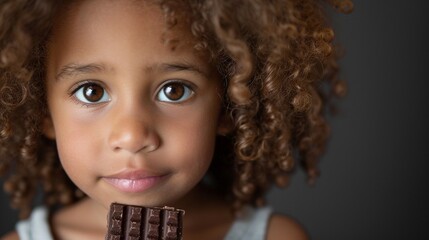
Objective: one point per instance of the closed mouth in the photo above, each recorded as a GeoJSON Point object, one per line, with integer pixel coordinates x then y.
{"type": "Point", "coordinates": [134, 181]}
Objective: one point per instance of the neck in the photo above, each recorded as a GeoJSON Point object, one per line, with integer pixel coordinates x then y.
{"type": "Point", "coordinates": [204, 207]}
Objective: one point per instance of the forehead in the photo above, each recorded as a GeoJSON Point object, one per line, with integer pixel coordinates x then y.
{"type": "Point", "coordinates": [120, 27]}
{"type": "Point", "coordinates": [119, 17]}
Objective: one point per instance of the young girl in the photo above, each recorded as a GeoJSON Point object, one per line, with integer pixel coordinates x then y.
{"type": "Point", "coordinates": [199, 105]}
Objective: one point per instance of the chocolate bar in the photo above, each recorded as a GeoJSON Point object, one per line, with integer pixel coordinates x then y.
{"type": "Point", "coordinates": [129, 222]}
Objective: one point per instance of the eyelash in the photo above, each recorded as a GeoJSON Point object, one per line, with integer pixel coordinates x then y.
{"type": "Point", "coordinates": [78, 86]}
{"type": "Point", "coordinates": [189, 89]}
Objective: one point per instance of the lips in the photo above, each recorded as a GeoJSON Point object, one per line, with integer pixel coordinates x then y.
{"type": "Point", "coordinates": [134, 181]}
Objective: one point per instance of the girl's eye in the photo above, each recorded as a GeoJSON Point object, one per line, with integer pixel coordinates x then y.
{"type": "Point", "coordinates": [91, 93]}
{"type": "Point", "coordinates": [174, 92]}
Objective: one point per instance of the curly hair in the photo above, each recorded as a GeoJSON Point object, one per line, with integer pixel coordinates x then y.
{"type": "Point", "coordinates": [277, 60]}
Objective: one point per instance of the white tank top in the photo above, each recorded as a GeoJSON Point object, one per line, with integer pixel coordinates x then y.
{"type": "Point", "coordinates": [36, 227]}
{"type": "Point", "coordinates": [252, 226]}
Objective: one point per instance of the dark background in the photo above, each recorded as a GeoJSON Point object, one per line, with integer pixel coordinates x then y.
{"type": "Point", "coordinates": [373, 183]}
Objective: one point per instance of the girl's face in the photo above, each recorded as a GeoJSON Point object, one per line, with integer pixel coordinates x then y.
{"type": "Point", "coordinates": [134, 121]}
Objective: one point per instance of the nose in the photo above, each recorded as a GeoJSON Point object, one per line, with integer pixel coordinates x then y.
{"type": "Point", "coordinates": [133, 134]}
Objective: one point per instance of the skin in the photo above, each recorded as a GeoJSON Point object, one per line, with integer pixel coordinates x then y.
{"type": "Point", "coordinates": [128, 132]}
{"type": "Point", "coordinates": [119, 50]}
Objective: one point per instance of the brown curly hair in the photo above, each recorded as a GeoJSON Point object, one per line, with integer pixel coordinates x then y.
{"type": "Point", "coordinates": [278, 63]}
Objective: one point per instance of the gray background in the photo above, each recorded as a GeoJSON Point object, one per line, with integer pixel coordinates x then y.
{"type": "Point", "coordinates": [373, 183]}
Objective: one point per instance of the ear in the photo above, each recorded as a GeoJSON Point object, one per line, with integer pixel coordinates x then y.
{"type": "Point", "coordinates": [48, 128]}
{"type": "Point", "coordinates": [225, 123]}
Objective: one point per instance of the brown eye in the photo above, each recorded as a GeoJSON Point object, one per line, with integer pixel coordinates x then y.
{"type": "Point", "coordinates": [174, 92]}
{"type": "Point", "coordinates": [91, 93]}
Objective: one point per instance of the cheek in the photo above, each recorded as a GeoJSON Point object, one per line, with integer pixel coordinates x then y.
{"type": "Point", "coordinates": [76, 146]}
{"type": "Point", "coordinates": [194, 140]}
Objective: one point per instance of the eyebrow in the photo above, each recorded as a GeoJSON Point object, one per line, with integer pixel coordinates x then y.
{"type": "Point", "coordinates": [74, 69]}
{"type": "Point", "coordinates": [176, 67]}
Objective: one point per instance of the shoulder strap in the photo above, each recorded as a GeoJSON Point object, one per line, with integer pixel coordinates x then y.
{"type": "Point", "coordinates": [36, 227]}
{"type": "Point", "coordinates": [252, 226]}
